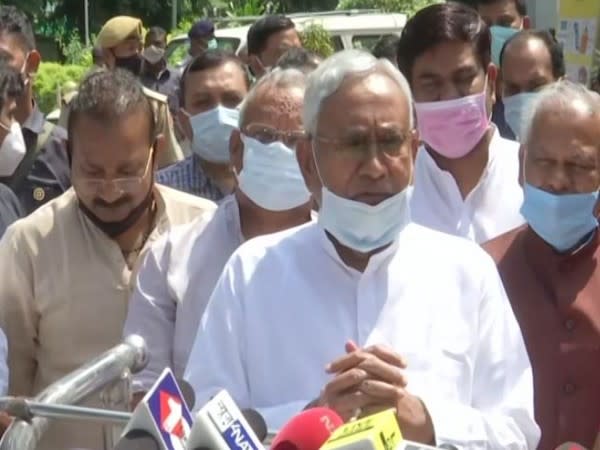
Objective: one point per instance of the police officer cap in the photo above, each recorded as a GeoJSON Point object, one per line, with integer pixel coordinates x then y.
{"type": "Point", "coordinates": [118, 29]}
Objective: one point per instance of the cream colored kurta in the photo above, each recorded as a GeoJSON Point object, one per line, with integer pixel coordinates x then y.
{"type": "Point", "coordinates": [64, 290]}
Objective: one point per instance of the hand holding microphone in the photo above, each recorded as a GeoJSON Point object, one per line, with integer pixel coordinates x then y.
{"type": "Point", "coordinates": [371, 380]}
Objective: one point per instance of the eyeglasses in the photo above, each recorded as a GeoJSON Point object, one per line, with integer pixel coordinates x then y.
{"type": "Point", "coordinates": [268, 135]}
{"type": "Point", "coordinates": [361, 146]}
{"type": "Point", "coordinates": [121, 185]}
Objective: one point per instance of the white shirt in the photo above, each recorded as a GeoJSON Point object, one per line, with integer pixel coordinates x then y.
{"type": "Point", "coordinates": [3, 364]}
{"type": "Point", "coordinates": [286, 304]}
{"type": "Point", "coordinates": [174, 285]}
{"type": "Point", "coordinates": [492, 208]}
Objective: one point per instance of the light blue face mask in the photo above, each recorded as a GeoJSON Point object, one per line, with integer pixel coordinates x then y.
{"type": "Point", "coordinates": [359, 226]}
{"type": "Point", "coordinates": [516, 109]}
{"type": "Point", "coordinates": [499, 37]}
{"type": "Point", "coordinates": [271, 176]}
{"type": "Point", "coordinates": [212, 130]}
{"type": "Point", "coordinates": [212, 44]}
{"type": "Point", "coordinates": [560, 220]}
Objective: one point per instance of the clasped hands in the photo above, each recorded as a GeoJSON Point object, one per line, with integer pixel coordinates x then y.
{"type": "Point", "coordinates": [369, 380]}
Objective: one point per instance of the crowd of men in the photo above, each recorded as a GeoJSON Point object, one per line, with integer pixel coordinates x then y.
{"type": "Point", "coordinates": [414, 228]}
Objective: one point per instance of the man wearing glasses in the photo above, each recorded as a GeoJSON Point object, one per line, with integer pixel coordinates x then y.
{"type": "Point", "coordinates": [66, 271]}
{"type": "Point", "coordinates": [178, 276]}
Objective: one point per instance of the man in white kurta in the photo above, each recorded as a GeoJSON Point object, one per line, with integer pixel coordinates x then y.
{"type": "Point", "coordinates": [345, 312]}
{"type": "Point", "coordinates": [181, 270]}
{"type": "Point", "coordinates": [466, 174]}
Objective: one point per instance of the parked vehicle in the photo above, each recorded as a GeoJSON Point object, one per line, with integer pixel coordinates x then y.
{"type": "Point", "coordinates": [348, 29]}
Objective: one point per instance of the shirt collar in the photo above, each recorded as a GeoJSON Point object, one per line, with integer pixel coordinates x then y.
{"type": "Point", "coordinates": [375, 261]}
{"type": "Point", "coordinates": [443, 181]}
{"type": "Point", "coordinates": [35, 121]}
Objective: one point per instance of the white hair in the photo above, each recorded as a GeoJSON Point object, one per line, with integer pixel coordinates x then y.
{"type": "Point", "coordinates": [276, 78]}
{"type": "Point", "coordinates": [564, 97]}
{"type": "Point", "coordinates": [326, 79]}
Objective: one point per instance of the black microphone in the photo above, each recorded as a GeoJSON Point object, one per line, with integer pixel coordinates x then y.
{"type": "Point", "coordinates": [187, 392]}
{"type": "Point", "coordinates": [137, 440]}
{"type": "Point", "coordinates": [256, 422]}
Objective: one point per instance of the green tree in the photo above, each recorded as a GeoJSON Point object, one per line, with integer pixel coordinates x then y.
{"type": "Point", "coordinates": [408, 7]}
{"type": "Point", "coordinates": [317, 39]}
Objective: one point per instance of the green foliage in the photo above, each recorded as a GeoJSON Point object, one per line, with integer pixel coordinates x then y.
{"type": "Point", "coordinates": [317, 39]}
{"type": "Point", "coordinates": [241, 8]}
{"type": "Point", "coordinates": [75, 51]}
{"type": "Point", "coordinates": [408, 7]}
{"type": "Point", "coordinates": [51, 77]}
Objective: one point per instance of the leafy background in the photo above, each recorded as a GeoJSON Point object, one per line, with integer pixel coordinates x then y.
{"type": "Point", "coordinates": [59, 26]}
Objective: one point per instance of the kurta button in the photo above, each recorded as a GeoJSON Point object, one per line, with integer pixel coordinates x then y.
{"type": "Point", "coordinates": [570, 324]}
{"type": "Point", "coordinates": [569, 388]}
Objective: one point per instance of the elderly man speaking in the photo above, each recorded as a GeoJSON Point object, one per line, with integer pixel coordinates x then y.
{"type": "Point", "coordinates": [362, 310]}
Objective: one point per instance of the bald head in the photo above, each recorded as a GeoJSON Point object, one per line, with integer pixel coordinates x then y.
{"type": "Point", "coordinates": [529, 61]}
{"type": "Point", "coordinates": [276, 100]}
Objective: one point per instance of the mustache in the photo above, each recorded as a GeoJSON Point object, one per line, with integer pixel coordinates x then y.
{"type": "Point", "coordinates": [122, 201]}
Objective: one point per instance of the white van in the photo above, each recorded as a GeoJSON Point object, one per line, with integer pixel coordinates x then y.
{"type": "Point", "coordinates": [348, 29]}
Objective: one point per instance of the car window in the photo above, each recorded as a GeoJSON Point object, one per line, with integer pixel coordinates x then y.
{"type": "Point", "coordinates": [366, 41]}
{"type": "Point", "coordinates": [338, 45]}
{"type": "Point", "coordinates": [178, 50]}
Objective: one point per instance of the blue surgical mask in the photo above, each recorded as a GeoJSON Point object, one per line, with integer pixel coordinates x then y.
{"type": "Point", "coordinates": [516, 109]}
{"type": "Point", "coordinates": [271, 176]}
{"type": "Point", "coordinates": [499, 37]}
{"type": "Point", "coordinates": [212, 44]}
{"type": "Point", "coordinates": [560, 220]}
{"type": "Point", "coordinates": [363, 227]}
{"type": "Point", "coordinates": [212, 130]}
{"type": "Point", "coordinates": [359, 226]}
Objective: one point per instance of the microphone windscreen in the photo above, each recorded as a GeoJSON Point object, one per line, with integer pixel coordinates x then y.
{"type": "Point", "coordinates": [256, 422]}
{"type": "Point", "coordinates": [570, 446]}
{"type": "Point", "coordinates": [309, 430]}
{"type": "Point", "coordinates": [187, 392]}
{"type": "Point", "coordinates": [137, 440]}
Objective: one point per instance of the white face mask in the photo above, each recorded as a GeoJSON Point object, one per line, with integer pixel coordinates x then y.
{"type": "Point", "coordinates": [212, 130]}
{"type": "Point", "coordinates": [359, 226]}
{"type": "Point", "coordinates": [271, 176]}
{"type": "Point", "coordinates": [153, 54]}
{"type": "Point", "coordinates": [12, 151]}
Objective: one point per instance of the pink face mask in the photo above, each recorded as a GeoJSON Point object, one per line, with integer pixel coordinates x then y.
{"type": "Point", "coordinates": [453, 127]}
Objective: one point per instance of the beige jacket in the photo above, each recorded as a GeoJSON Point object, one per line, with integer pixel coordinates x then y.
{"type": "Point", "coordinates": [64, 290]}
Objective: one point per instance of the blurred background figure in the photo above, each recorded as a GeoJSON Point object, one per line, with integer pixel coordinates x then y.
{"type": "Point", "coordinates": [121, 42]}
{"type": "Point", "coordinates": [529, 61]}
{"type": "Point", "coordinates": [505, 18]}
{"type": "Point", "coordinates": [299, 58]}
{"type": "Point", "coordinates": [43, 173]}
{"type": "Point", "coordinates": [156, 73]}
{"type": "Point", "coordinates": [12, 144]}
{"type": "Point", "coordinates": [387, 47]}
{"type": "Point", "coordinates": [202, 38]}
{"type": "Point", "coordinates": [268, 39]}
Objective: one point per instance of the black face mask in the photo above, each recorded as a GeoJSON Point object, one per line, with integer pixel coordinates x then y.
{"type": "Point", "coordinates": [114, 229]}
{"type": "Point", "coordinates": [131, 63]}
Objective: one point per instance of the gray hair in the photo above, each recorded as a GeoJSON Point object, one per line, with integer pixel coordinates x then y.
{"type": "Point", "coordinates": [329, 76]}
{"type": "Point", "coordinates": [276, 78]}
{"type": "Point", "coordinates": [564, 97]}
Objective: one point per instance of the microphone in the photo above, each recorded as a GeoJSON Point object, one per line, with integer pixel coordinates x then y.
{"type": "Point", "coordinates": [256, 422]}
{"type": "Point", "coordinates": [570, 446]}
{"type": "Point", "coordinates": [162, 418]}
{"type": "Point", "coordinates": [376, 432]}
{"type": "Point", "coordinates": [138, 440]}
{"type": "Point", "coordinates": [220, 425]}
{"type": "Point", "coordinates": [309, 430]}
